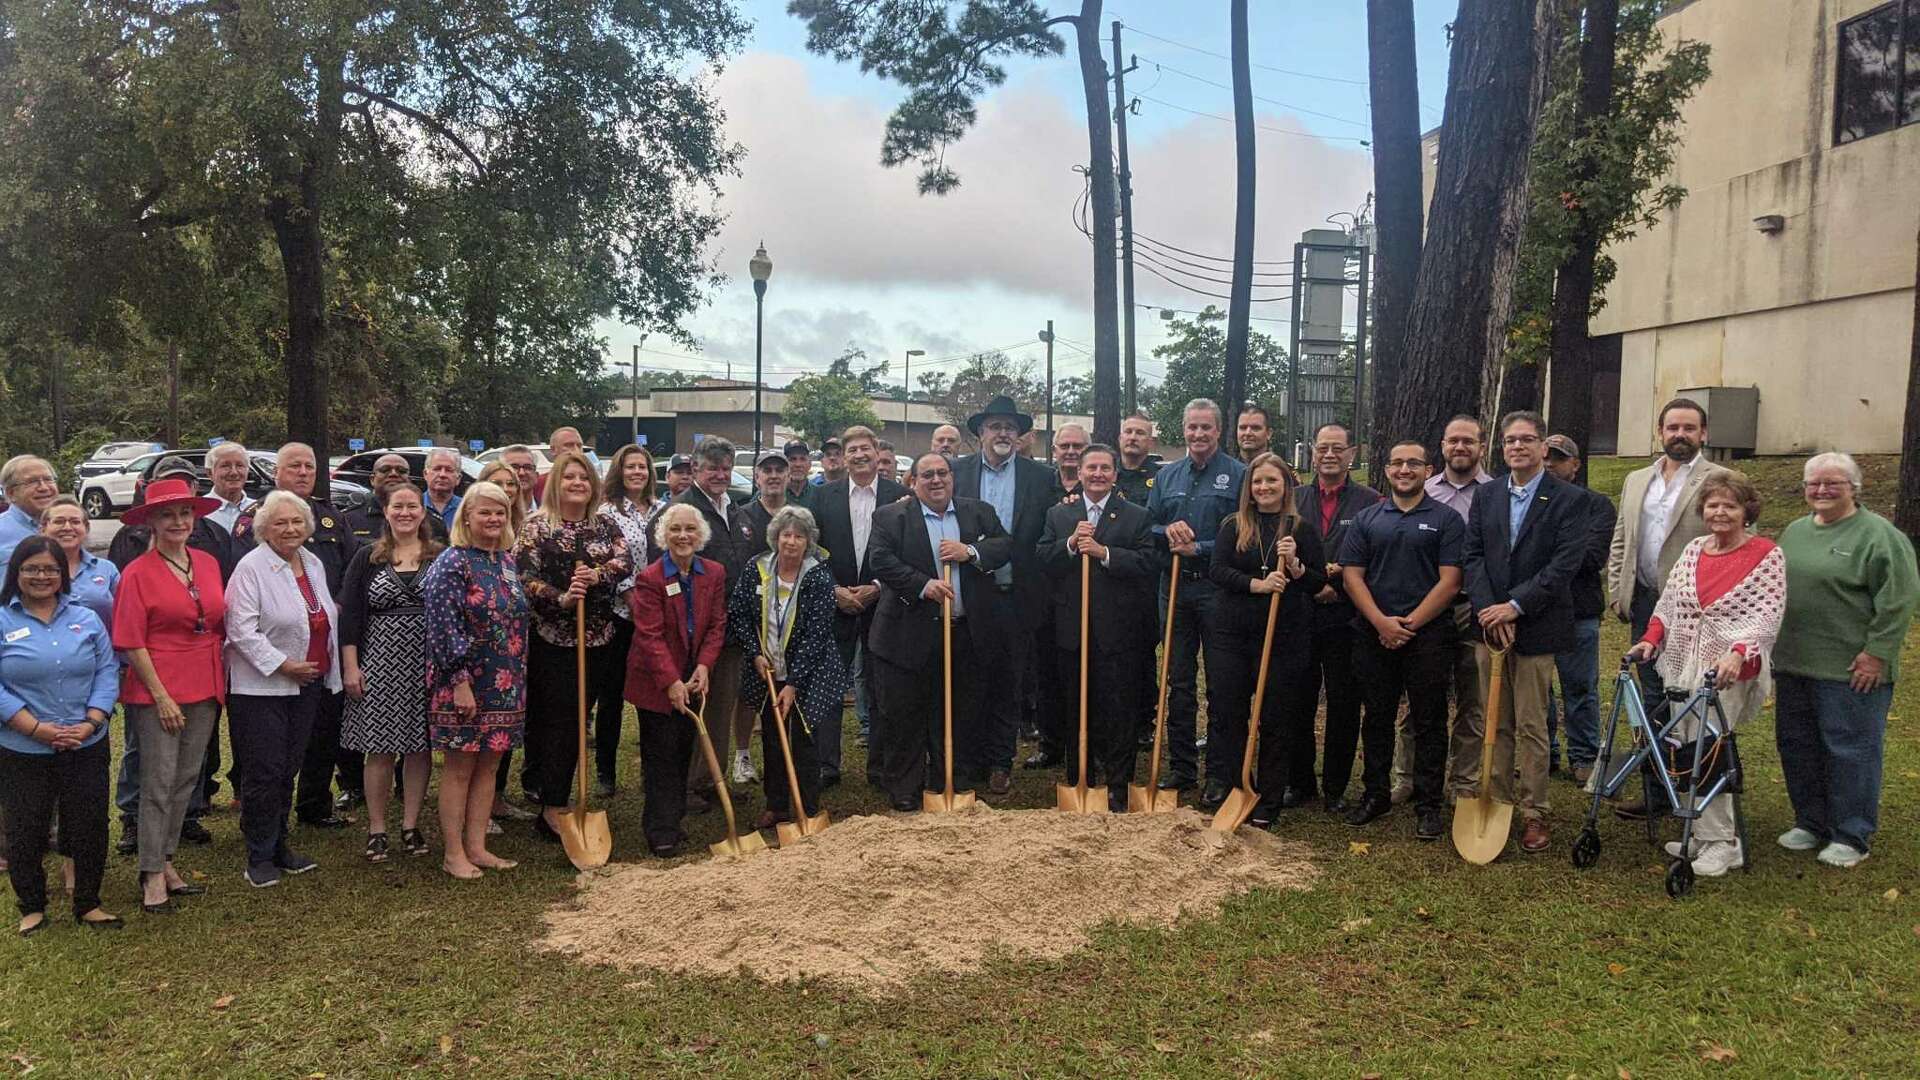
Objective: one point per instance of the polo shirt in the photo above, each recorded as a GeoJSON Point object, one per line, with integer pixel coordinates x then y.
{"type": "Point", "coordinates": [1403, 550]}
{"type": "Point", "coordinates": [1200, 495]}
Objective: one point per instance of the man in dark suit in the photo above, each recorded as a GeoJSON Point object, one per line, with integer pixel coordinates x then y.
{"type": "Point", "coordinates": [1328, 506]}
{"type": "Point", "coordinates": [1526, 538]}
{"type": "Point", "coordinates": [844, 510]}
{"type": "Point", "coordinates": [1100, 524]}
{"type": "Point", "coordinates": [1020, 491]}
{"type": "Point", "coordinates": [908, 736]}
{"type": "Point", "coordinates": [728, 724]}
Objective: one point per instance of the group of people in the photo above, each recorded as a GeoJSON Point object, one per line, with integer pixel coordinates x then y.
{"type": "Point", "coordinates": [461, 622]}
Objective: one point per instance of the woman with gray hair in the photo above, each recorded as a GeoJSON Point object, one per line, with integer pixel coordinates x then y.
{"type": "Point", "coordinates": [781, 614]}
{"type": "Point", "coordinates": [283, 660]}
{"type": "Point", "coordinates": [1851, 591]}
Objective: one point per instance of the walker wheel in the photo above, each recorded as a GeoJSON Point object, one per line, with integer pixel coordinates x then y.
{"type": "Point", "coordinates": [1679, 878]}
{"type": "Point", "coordinates": [1586, 848]}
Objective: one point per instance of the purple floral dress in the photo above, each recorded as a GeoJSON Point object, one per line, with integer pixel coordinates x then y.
{"type": "Point", "coordinates": [476, 633]}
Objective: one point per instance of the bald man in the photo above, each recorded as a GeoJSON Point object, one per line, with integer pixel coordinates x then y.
{"type": "Point", "coordinates": [946, 440]}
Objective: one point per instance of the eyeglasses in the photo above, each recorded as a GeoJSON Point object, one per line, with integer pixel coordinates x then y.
{"type": "Point", "coordinates": [36, 481]}
{"type": "Point", "coordinates": [39, 571]}
{"type": "Point", "coordinates": [1406, 463]}
{"type": "Point", "coordinates": [1519, 440]}
{"type": "Point", "coordinates": [1826, 485]}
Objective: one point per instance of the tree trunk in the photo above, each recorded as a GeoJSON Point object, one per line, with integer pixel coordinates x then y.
{"type": "Point", "coordinates": [1456, 330]}
{"type": "Point", "coordinates": [1519, 389]}
{"type": "Point", "coordinates": [1240, 294]}
{"type": "Point", "coordinates": [295, 217]}
{"type": "Point", "coordinates": [1398, 202]}
{"type": "Point", "coordinates": [1907, 511]}
{"type": "Point", "coordinates": [1570, 355]}
{"type": "Point", "coordinates": [1103, 205]}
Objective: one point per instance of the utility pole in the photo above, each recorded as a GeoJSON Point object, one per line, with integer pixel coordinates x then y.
{"type": "Point", "coordinates": [1126, 217]}
{"type": "Point", "coordinates": [173, 394]}
{"type": "Point", "coordinates": [634, 388]}
{"type": "Point", "coordinates": [1047, 336]}
{"type": "Point", "coordinates": [59, 396]}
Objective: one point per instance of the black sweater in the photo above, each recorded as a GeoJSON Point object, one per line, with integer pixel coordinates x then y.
{"type": "Point", "coordinates": [1233, 570]}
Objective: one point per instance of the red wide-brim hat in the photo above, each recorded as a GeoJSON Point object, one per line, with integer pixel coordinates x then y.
{"type": "Point", "coordinates": [165, 493]}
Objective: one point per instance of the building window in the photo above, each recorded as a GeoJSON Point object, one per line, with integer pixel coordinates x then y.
{"type": "Point", "coordinates": [1878, 86]}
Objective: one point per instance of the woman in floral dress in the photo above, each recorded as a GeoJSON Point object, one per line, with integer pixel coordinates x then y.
{"type": "Point", "coordinates": [476, 671]}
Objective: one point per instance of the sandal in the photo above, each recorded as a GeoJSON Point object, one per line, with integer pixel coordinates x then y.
{"type": "Point", "coordinates": [414, 841]}
{"type": "Point", "coordinates": [376, 847]}
{"type": "Point", "coordinates": [104, 922]}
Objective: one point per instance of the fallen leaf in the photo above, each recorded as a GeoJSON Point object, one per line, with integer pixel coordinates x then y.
{"type": "Point", "coordinates": [1164, 1046]}
{"type": "Point", "coordinates": [1616, 969]}
{"type": "Point", "coordinates": [1470, 1021]}
{"type": "Point", "coordinates": [1358, 847]}
{"type": "Point", "coordinates": [1423, 914]}
{"type": "Point", "coordinates": [1811, 932]}
{"type": "Point", "coordinates": [1890, 895]}
{"type": "Point", "coordinates": [1713, 1051]}
{"type": "Point", "coordinates": [1261, 1036]}
{"type": "Point", "coordinates": [446, 1045]}
{"type": "Point", "coordinates": [223, 1001]}
{"type": "Point", "coordinates": [26, 1064]}
{"type": "Point", "coordinates": [1624, 1074]}
{"type": "Point", "coordinates": [1355, 924]}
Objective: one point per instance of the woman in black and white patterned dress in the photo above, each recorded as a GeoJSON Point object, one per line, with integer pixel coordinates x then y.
{"type": "Point", "coordinates": [383, 661]}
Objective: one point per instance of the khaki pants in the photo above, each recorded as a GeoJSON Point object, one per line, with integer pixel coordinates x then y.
{"type": "Point", "coordinates": [724, 719]}
{"type": "Point", "coordinates": [1469, 699]}
{"type": "Point", "coordinates": [1522, 736]}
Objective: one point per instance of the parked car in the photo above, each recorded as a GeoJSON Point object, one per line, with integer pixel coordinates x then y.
{"type": "Point", "coordinates": [110, 458]}
{"type": "Point", "coordinates": [358, 468]}
{"type": "Point", "coordinates": [106, 492]}
{"type": "Point", "coordinates": [740, 490]}
{"type": "Point", "coordinates": [542, 459]}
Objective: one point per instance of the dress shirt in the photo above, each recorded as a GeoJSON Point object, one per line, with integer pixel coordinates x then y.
{"type": "Point", "coordinates": [944, 525]}
{"type": "Point", "coordinates": [15, 526]}
{"type": "Point", "coordinates": [229, 512]}
{"type": "Point", "coordinates": [1656, 517]}
{"type": "Point", "coordinates": [1456, 497]}
{"type": "Point", "coordinates": [1520, 501]}
{"type": "Point", "coordinates": [860, 504]}
{"type": "Point", "coordinates": [996, 490]}
{"type": "Point", "coordinates": [56, 670]}
{"type": "Point", "coordinates": [446, 513]}
{"type": "Point", "coordinates": [673, 574]}
{"type": "Point", "coordinates": [1200, 495]}
{"type": "Point", "coordinates": [1096, 511]}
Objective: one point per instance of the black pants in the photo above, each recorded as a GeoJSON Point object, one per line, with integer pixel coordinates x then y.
{"type": "Point", "coordinates": [1193, 623]}
{"type": "Point", "coordinates": [1653, 689]}
{"type": "Point", "coordinates": [806, 761]}
{"type": "Point", "coordinates": [610, 703]}
{"type": "Point", "coordinates": [908, 735]}
{"type": "Point", "coordinates": [32, 787]}
{"type": "Point", "coordinates": [1006, 714]}
{"type": "Point", "coordinates": [321, 758]}
{"type": "Point", "coordinates": [1331, 668]}
{"type": "Point", "coordinates": [1057, 717]}
{"type": "Point", "coordinates": [271, 737]}
{"type": "Point", "coordinates": [1231, 678]}
{"type": "Point", "coordinates": [1112, 737]}
{"type": "Point", "coordinates": [1421, 671]}
{"type": "Point", "coordinates": [553, 722]}
{"type": "Point", "coordinates": [667, 747]}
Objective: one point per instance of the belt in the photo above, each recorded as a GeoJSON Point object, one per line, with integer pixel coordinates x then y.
{"type": "Point", "coordinates": [1191, 575]}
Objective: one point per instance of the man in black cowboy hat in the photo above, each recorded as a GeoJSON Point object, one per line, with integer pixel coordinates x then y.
{"type": "Point", "coordinates": [1020, 490]}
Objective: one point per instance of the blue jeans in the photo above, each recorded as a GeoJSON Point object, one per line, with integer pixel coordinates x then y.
{"type": "Point", "coordinates": [1832, 743]}
{"type": "Point", "coordinates": [1579, 671]}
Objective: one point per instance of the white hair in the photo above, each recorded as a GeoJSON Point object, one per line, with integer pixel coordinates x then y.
{"type": "Point", "coordinates": [282, 452]}
{"type": "Point", "coordinates": [1208, 404]}
{"type": "Point", "coordinates": [277, 500]}
{"type": "Point", "coordinates": [674, 510]}
{"type": "Point", "coordinates": [225, 449]}
{"type": "Point", "coordinates": [10, 472]}
{"type": "Point", "coordinates": [1834, 459]}
{"type": "Point", "coordinates": [445, 452]}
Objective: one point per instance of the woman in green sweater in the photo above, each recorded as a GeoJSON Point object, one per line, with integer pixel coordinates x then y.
{"type": "Point", "coordinates": [1852, 587]}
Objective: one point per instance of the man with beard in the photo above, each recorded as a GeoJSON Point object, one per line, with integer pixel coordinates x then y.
{"type": "Point", "coordinates": [1461, 446]}
{"type": "Point", "coordinates": [1659, 514]}
{"type": "Point", "coordinates": [1253, 432]}
{"type": "Point", "coordinates": [370, 522]}
{"type": "Point", "coordinates": [1020, 491]}
{"type": "Point", "coordinates": [946, 440]}
{"type": "Point", "coordinates": [799, 462]}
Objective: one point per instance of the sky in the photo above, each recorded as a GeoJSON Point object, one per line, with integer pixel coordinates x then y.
{"type": "Point", "coordinates": [860, 258]}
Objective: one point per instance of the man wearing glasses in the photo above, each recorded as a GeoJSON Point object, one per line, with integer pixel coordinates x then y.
{"type": "Point", "coordinates": [1659, 515]}
{"type": "Point", "coordinates": [30, 488]}
{"type": "Point", "coordinates": [1525, 542]}
{"type": "Point", "coordinates": [367, 524]}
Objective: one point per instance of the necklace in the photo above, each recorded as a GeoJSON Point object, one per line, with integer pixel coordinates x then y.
{"type": "Point", "coordinates": [185, 571]}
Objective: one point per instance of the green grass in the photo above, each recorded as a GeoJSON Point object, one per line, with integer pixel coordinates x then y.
{"type": "Point", "coordinates": [1525, 967]}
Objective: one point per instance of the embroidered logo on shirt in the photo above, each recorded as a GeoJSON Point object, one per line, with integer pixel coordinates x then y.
{"type": "Point", "coordinates": [1221, 481]}
{"type": "Point", "coordinates": [1424, 527]}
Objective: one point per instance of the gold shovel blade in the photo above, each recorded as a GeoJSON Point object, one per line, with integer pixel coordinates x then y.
{"type": "Point", "coordinates": [1070, 799]}
{"type": "Point", "coordinates": [1235, 811]}
{"type": "Point", "coordinates": [1480, 828]}
{"type": "Point", "coordinates": [747, 844]}
{"type": "Point", "coordinates": [786, 832]}
{"type": "Point", "coordinates": [586, 838]}
{"type": "Point", "coordinates": [939, 802]}
{"type": "Point", "coordinates": [1142, 800]}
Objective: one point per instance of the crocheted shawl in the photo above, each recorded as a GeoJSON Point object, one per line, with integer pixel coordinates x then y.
{"type": "Point", "coordinates": [1747, 615]}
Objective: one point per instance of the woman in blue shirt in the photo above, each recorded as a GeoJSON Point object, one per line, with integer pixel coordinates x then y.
{"type": "Point", "coordinates": [94, 580]}
{"type": "Point", "coordinates": [59, 679]}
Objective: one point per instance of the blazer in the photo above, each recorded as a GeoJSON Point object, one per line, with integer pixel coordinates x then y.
{"type": "Point", "coordinates": [834, 514]}
{"type": "Point", "coordinates": [1033, 496]}
{"type": "Point", "coordinates": [1589, 584]}
{"type": "Point", "coordinates": [1120, 610]}
{"type": "Point", "coordinates": [1242, 610]}
{"type": "Point", "coordinates": [814, 669]}
{"type": "Point", "coordinates": [267, 623]}
{"type": "Point", "coordinates": [1623, 553]}
{"type": "Point", "coordinates": [662, 653]}
{"type": "Point", "coordinates": [906, 627]}
{"type": "Point", "coordinates": [1354, 497]}
{"type": "Point", "coordinates": [1538, 571]}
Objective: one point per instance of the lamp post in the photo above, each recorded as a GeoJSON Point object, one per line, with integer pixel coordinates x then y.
{"type": "Point", "coordinates": [761, 268]}
{"type": "Point", "coordinates": [906, 386]}
{"type": "Point", "coordinates": [1047, 336]}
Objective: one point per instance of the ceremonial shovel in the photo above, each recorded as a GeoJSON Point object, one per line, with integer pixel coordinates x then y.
{"type": "Point", "coordinates": [939, 802]}
{"type": "Point", "coordinates": [1241, 800]}
{"type": "Point", "coordinates": [735, 844]}
{"type": "Point", "coordinates": [790, 832]}
{"type": "Point", "coordinates": [584, 832]}
{"type": "Point", "coordinates": [1480, 825]}
{"type": "Point", "coordinates": [1073, 797]}
{"type": "Point", "coordinates": [1150, 799]}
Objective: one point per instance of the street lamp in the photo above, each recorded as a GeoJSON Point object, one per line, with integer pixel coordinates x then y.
{"type": "Point", "coordinates": [761, 268]}
{"type": "Point", "coordinates": [906, 385]}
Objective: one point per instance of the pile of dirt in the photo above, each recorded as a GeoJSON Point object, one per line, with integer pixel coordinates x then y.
{"type": "Point", "coordinates": [879, 899]}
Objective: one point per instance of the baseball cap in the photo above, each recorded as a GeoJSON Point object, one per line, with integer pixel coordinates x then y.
{"type": "Point", "coordinates": [680, 461]}
{"type": "Point", "coordinates": [173, 465]}
{"type": "Point", "coordinates": [769, 455]}
{"type": "Point", "coordinates": [795, 447]}
{"type": "Point", "coordinates": [830, 444]}
{"type": "Point", "coordinates": [1560, 444]}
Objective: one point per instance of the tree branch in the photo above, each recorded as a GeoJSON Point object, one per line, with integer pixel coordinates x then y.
{"type": "Point", "coordinates": [426, 120]}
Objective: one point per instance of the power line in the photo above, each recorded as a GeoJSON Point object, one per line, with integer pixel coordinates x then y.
{"type": "Point", "coordinates": [1262, 127]}
{"type": "Point", "coordinates": [1224, 56]}
{"type": "Point", "coordinates": [1213, 266]}
{"type": "Point", "coordinates": [1283, 104]}
{"type": "Point", "coordinates": [1147, 257]}
{"type": "Point", "coordinates": [1221, 314]}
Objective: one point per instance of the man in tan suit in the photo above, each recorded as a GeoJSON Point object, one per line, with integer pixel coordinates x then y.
{"type": "Point", "coordinates": [1659, 514]}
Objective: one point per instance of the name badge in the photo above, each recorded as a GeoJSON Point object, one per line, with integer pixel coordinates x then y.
{"type": "Point", "coordinates": [16, 635]}
{"type": "Point", "coordinates": [673, 588]}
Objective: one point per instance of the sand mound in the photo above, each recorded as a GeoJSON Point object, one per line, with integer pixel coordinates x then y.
{"type": "Point", "coordinates": [878, 900]}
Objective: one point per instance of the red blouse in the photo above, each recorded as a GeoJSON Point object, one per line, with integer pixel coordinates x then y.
{"type": "Point", "coordinates": [319, 629]}
{"type": "Point", "coordinates": [1718, 572]}
{"type": "Point", "coordinates": [155, 611]}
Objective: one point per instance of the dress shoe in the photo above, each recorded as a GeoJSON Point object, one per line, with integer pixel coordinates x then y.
{"type": "Point", "coordinates": [544, 831]}
{"type": "Point", "coordinates": [1176, 782]}
{"type": "Point", "coordinates": [1633, 811]}
{"type": "Point", "coordinates": [1429, 825]}
{"type": "Point", "coordinates": [768, 819]}
{"type": "Point", "coordinates": [1369, 808]}
{"type": "Point", "coordinates": [331, 821]}
{"type": "Point", "coordinates": [349, 799]}
{"type": "Point", "coordinates": [1401, 793]}
{"type": "Point", "coordinates": [698, 803]}
{"type": "Point", "coordinates": [1294, 796]}
{"type": "Point", "coordinates": [1044, 759]}
{"type": "Point", "coordinates": [1264, 815]}
{"type": "Point", "coordinates": [1338, 806]}
{"type": "Point", "coordinates": [829, 780]}
{"type": "Point", "coordinates": [192, 832]}
{"type": "Point", "coordinates": [664, 851]}
{"type": "Point", "coordinates": [906, 806]}
{"type": "Point", "coordinates": [1117, 799]}
{"type": "Point", "coordinates": [129, 842]}
{"type": "Point", "coordinates": [1534, 838]}
{"type": "Point", "coordinates": [1213, 795]}
{"type": "Point", "coordinates": [604, 789]}
{"type": "Point", "coordinates": [1000, 782]}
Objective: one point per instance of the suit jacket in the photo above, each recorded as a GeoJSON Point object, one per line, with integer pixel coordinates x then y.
{"type": "Point", "coordinates": [1537, 572]}
{"type": "Point", "coordinates": [834, 515]}
{"type": "Point", "coordinates": [1589, 586]}
{"type": "Point", "coordinates": [662, 653]}
{"type": "Point", "coordinates": [1354, 497]}
{"type": "Point", "coordinates": [1121, 608]}
{"type": "Point", "coordinates": [723, 546]}
{"type": "Point", "coordinates": [1623, 555]}
{"type": "Point", "coordinates": [1033, 496]}
{"type": "Point", "coordinates": [906, 627]}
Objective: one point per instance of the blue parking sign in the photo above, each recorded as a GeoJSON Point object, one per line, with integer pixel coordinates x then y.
{"type": "Point", "coordinates": [424, 442]}
{"type": "Point", "coordinates": [356, 445]}
{"type": "Point", "coordinates": [476, 445]}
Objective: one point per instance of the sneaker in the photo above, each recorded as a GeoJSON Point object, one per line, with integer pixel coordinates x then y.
{"type": "Point", "coordinates": [292, 862]}
{"type": "Point", "coordinates": [1844, 856]}
{"type": "Point", "coordinates": [1674, 850]}
{"type": "Point", "coordinates": [1799, 839]}
{"type": "Point", "coordinates": [743, 772]}
{"type": "Point", "coordinates": [1401, 793]}
{"type": "Point", "coordinates": [511, 812]}
{"type": "Point", "coordinates": [1430, 825]}
{"type": "Point", "coordinates": [1717, 857]}
{"type": "Point", "coordinates": [263, 875]}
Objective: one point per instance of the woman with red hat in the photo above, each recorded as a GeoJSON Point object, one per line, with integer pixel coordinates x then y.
{"type": "Point", "coordinates": [169, 620]}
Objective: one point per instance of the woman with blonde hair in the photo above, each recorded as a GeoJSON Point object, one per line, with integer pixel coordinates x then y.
{"type": "Point", "coordinates": [631, 504]}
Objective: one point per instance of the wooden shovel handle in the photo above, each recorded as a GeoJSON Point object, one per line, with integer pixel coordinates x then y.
{"type": "Point", "coordinates": [1259, 695]}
